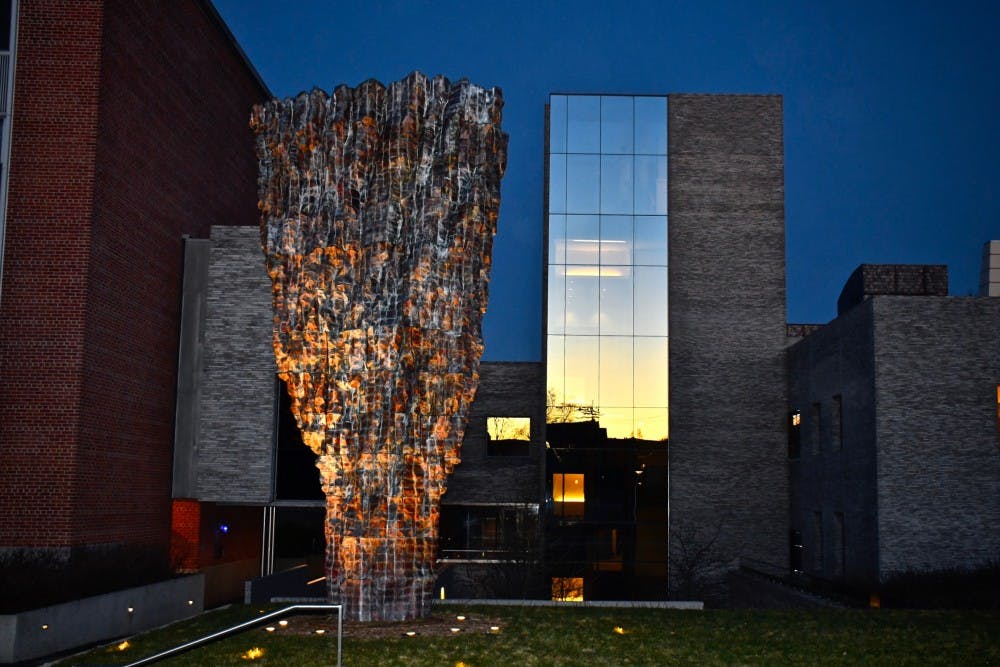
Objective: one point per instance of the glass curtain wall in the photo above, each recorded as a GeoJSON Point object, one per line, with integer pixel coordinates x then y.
{"type": "Point", "coordinates": [607, 262]}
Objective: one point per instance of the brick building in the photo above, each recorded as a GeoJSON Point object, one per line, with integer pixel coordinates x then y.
{"type": "Point", "coordinates": [124, 130]}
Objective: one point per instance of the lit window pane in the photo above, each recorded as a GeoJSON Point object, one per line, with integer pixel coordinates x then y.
{"type": "Point", "coordinates": [650, 185]}
{"type": "Point", "coordinates": [557, 124]}
{"type": "Point", "coordinates": [651, 371]}
{"type": "Point", "coordinates": [583, 183]}
{"type": "Point", "coordinates": [616, 125]}
{"type": "Point", "coordinates": [651, 240]}
{"type": "Point", "coordinates": [616, 240]}
{"type": "Point", "coordinates": [581, 370]}
{"type": "Point", "coordinates": [581, 304]}
{"type": "Point", "coordinates": [616, 372]}
{"type": "Point", "coordinates": [616, 184]}
{"type": "Point", "coordinates": [567, 589]}
{"type": "Point", "coordinates": [616, 301]}
{"type": "Point", "coordinates": [650, 301]}
{"type": "Point", "coordinates": [557, 300]}
{"type": "Point", "coordinates": [508, 428]}
{"type": "Point", "coordinates": [557, 239]}
{"type": "Point", "coordinates": [651, 423]}
{"type": "Point", "coordinates": [651, 125]}
{"type": "Point", "coordinates": [554, 382]}
{"type": "Point", "coordinates": [557, 183]}
{"type": "Point", "coordinates": [583, 121]}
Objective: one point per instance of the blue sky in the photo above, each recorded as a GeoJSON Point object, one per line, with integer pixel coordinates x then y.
{"type": "Point", "coordinates": [891, 112]}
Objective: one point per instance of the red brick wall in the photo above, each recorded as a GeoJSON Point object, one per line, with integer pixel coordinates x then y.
{"type": "Point", "coordinates": [185, 535]}
{"type": "Point", "coordinates": [46, 262]}
{"type": "Point", "coordinates": [168, 154]}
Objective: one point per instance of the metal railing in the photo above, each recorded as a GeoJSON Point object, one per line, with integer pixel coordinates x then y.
{"type": "Point", "coordinates": [215, 636]}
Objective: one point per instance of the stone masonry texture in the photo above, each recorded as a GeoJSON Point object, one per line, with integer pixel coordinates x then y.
{"type": "Point", "coordinates": [128, 132]}
{"type": "Point", "coordinates": [727, 325]}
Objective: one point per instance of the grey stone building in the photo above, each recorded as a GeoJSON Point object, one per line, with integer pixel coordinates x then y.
{"type": "Point", "coordinates": [894, 459]}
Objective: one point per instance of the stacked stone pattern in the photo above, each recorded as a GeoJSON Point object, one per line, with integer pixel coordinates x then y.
{"type": "Point", "coordinates": [378, 211]}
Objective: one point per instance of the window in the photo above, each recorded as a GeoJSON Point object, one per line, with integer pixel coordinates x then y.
{"type": "Point", "coordinates": [568, 495]}
{"type": "Point", "coordinates": [794, 434]}
{"type": "Point", "coordinates": [567, 589]}
{"type": "Point", "coordinates": [795, 550]}
{"type": "Point", "coordinates": [839, 547]}
{"type": "Point", "coordinates": [508, 436]}
{"type": "Point", "coordinates": [818, 541]}
{"type": "Point", "coordinates": [816, 427]}
{"type": "Point", "coordinates": [837, 423]}
{"type": "Point", "coordinates": [998, 410]}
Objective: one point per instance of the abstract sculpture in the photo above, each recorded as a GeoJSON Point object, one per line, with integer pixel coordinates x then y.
{"type": "Point", "coordinates": [378, 211]}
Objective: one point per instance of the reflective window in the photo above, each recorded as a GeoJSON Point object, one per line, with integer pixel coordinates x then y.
{"type": "Point", "coordinates": [557, 183]}
{"type": "Point", "coordinates": [650, 240]}
{"type": "Point", "coordinates": [567, 589]}
{"type": "Point", "coordinates": [651, 125]}
{"type": "Point", "coordinates": [607, 256]}
{"type": "Point", "coordinates": [583, 183]}
{"type": "Point", "coordinates": [616, 371]}
{"type": "Point", "coordinates": [583, 122]}
{"type": "Point", "coordinates": [616, 124]}
{"type": "Point", "coordinates": [508, 436]}
{"type": "Point", "coordinates": [650, 185]}
{"type": "Point", "coordinates": [557, 124]}
{"type": "Point", "coordinates": [650, 301]}
{"type": "Point", "coordinates": [616, 184]}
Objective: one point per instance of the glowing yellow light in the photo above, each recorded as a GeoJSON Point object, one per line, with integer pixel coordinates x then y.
{"type": "Point", "coordinates": [460, 618]}
{"type": "Point", "coordinates": [410, 633]}
{"type": "Point", "coordinates": [190, 603]}
{"type": "Point", "coordinates": [461, 664]}
{"type": "Point", "coordinates": [442, 592]}
{"type": "Point", "coordinates": [131, 609]}
{"type": "Point", "coordinates": [567, 589]}
{"type": "Point", "coordinates": [619, 630]}
{"type": "Point", "coordinates": [567, 488]}
{"type": "Point", "coordinates": [796, 418]}
{"type": "Point", "coordinates": [321, 631]}
{"type": "Point", "coordinates": [456, 629]}
{"type": "Point", "coordinates": [253, 654]}
{"type": "Point", "coordinates": [45, 626]}
{"type": "Point", "coordinates": [283, 623]}
{"type": "Point", "coordinates": [123, 646]}
{"type": "Point", "coordinates": [494, 628]}
{"type": "Point", "coordinates": [270, 628]}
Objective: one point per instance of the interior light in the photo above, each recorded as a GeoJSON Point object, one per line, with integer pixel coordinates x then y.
{"type": "Point", "coordinates": [442, 592]}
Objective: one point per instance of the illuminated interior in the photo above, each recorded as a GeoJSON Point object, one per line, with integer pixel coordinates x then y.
{"type": "Point", "coordinates": [567, 488]}
{"type": "Point", "coordinates": [567, 589]}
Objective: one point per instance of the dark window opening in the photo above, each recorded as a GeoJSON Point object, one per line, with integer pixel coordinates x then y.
{"type": "Point", "coordinates": [487, 532]}
{"type": "Point", "coordinates": [837, 423]}
{"type": "Point", "coordinates": [296, 475]}
{"type": "Point", "coordinates": [816, 426]}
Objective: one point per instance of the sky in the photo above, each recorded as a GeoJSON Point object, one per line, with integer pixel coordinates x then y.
{"type": "Point", "coordinates": [892, 133]}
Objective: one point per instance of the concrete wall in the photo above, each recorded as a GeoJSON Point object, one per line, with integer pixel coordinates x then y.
{"type": "Point", "coordinates": [506, 389]}
{"type": "Point", "coordinates": [236, 431]}
{"type": "Point", "coordinates": [937, 371]}
{"type": "Point", "coordinates": [40, 632]}
{"type": "Point", "coordinates": [827, 477]}
{"type": "Point", "coordinates": [727, 322]}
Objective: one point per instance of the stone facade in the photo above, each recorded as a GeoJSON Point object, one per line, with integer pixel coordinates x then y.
{"type": "Point", "coordinates": [727, 324]}
{"type": "Point", "coordinates": [913, 484]}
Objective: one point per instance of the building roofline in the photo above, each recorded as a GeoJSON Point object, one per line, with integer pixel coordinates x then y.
{"type": "Point", "coordinates": [214, 15]}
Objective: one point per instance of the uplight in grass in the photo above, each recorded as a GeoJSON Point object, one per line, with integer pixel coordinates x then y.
{"type": "Point", "coordinates": [494, 629]}
{"type": "Point", "coordinates": [619, 630]}
{"type": "Point", "coordinates": [283, 623]}
{"type": "Point", "coordinates": [321, 631]}
{"type": "Point", "coordinates": [460, 618]}
{"type": "Point", "coordinates": [123, 646]}
{"type": "Point", "coordinates": [411, 633]}
{"type": "Point", "coordinates": [270, 628]}
{"type": "Point", "coordinates": [456, 629]}
{"type": "Point", "coordinates": [253, 654]}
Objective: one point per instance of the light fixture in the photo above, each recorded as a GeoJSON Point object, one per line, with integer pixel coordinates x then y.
{"type": "Point", "coordinates": [456, 629]}
{"type": "Point", "coordinates": [321, 631]}
{"type": "Point", "coordinates": [494, 628]}
{"type": "Point", "coordinates": [190, 603]}
{"type": "Point", "coordinates": [283, 623]}
{"type": "Point", "coordinates": [131, 609]}
{"type": "Point", "coordinates": [410, 633]}
{"type": "Point", "coordinates": [45, 626]}
{"type": "Point", "coordinates": [460, 618]}
{"type": "Point", "coordinates": [270, 628]}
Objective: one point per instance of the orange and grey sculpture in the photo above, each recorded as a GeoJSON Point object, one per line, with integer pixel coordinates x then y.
{"type": "Point", "coordinates": [378, 210]}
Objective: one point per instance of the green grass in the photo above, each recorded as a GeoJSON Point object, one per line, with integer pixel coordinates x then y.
{"type": "Point", "coordinates": [585, 636]}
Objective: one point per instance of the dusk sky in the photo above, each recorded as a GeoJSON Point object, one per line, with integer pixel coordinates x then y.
{"type": "Point", "coordinates": [890, 111]}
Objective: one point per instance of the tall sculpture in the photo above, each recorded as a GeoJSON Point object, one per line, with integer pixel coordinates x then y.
{"type": "Point", "coordinates": [378, 211]}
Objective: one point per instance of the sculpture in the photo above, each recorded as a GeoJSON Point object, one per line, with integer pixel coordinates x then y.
{"type": "Point", "coordinates": [378, 210]}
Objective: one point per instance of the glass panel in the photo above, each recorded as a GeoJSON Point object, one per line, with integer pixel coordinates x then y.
{"type": "Point", "coordinates": [651, 366]}
{"type": "Point", "coordinates": [650, 240]}
{"type": "Point", "coordinates": [557, 124]}
{"type": "Point", "coordinates": [616, 240]}
{"type": "Point", "coordinates": [618, 421]}
{"type": "Point", "coordinates": [568, 487]}
{"type": "Point", "coordinates": [557, 184]}
{"type": "Point", "coordinates": [581, 303]}
{"type": "Point", "coordinates": [567, 589]}
{"type": "Point", "coordinates": [616, 371]}
{"type": "Point", "coordinates": [651, 125]}
{"type": "Point", "coordinates": [583, 240]}
{"type": "Point", "coordinates": [554, 382]}
{"type": "Point", "coordinates": [616, 184]}
{"type": "Point", "coordinates": [557, 300]}
{"type": "Point", "coordinates": [616, 124]}
{"type": "Point", "coordinates": [650, 185]}
{"type": "Point", "coordinates": [583, 183]}
{"type": "Point", "coordinates": [581, 370]}
{"type": "Point", "coordinates": [583, 120]}
{"type": "Point", "coordinates": [508, 428]}
{"type": "Point", "coordinates": [616, 301]}
{"type": "Point", "coordinates": [652, 423]}
{"type": "Point", "coordinates": [650, 301]}
{"type": "Point", "coordinates": [557, 239]}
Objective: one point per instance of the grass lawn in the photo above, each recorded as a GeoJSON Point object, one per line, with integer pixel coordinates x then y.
{"type": "Point", "coordinates": [586, 636]}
